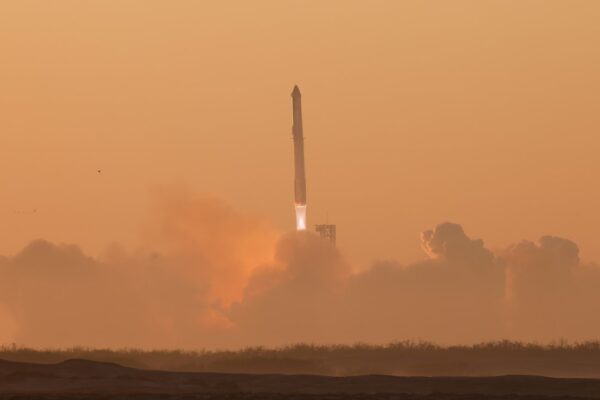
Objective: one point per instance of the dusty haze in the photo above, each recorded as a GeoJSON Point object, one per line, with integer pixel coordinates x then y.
{"type": "Point", "coordinates": [115, 115]}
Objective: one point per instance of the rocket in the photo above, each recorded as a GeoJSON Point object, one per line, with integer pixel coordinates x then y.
{"type": "Point", "coordinates": [299, 173]}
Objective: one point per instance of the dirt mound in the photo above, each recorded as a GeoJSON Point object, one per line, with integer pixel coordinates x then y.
{"type": "Point", "coordinates": [83, 377]}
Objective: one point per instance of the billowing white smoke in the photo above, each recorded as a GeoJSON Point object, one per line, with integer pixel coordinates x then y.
{"type": "Point", "coordinates": [209, 276]}
{"type": "Point", "coordinates": [300, 217]}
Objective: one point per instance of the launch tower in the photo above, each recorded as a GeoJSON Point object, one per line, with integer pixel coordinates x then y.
{"type": "Point", "coordinates": [327, 232]}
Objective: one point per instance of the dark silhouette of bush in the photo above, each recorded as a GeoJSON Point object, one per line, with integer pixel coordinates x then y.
{"type": "Point", "coordinates": [560, 359]}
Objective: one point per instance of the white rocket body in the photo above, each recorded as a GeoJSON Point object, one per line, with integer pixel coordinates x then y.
{"type": "Point", "coordinates": [299, 173]}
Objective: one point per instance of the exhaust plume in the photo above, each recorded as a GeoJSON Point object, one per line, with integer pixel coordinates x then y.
{"type": "Point", "coordinates": [208, 276]}
{"type": "Point", "coordinates": [300, 217]}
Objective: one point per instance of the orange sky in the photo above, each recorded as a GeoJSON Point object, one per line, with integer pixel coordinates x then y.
{"type": "Point", "coordinates": [416, 112]}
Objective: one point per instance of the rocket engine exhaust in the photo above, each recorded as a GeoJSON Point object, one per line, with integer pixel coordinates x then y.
{"type": "Point", "coordinates": [300, 217]}
{"type": "Point", "coordinates": [299, 173]}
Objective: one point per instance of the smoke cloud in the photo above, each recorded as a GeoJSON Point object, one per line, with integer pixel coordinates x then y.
{"type": "Point", "coordinates": [455, 296]}
{"type": "Point", "coordinates": [551, 293]}
{"type": "Point", "coordinates": [209, 276]}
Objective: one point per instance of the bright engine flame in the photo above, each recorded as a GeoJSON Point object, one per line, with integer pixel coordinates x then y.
{"type": "Point", "coordinates": [301, 217]}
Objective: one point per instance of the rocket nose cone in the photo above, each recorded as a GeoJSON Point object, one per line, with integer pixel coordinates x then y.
{"type": "Point", "coordinates": [296, 91]}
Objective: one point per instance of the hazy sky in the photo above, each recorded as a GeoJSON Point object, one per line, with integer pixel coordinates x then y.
{"type": "Point", "coordinates": [416, 112]}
